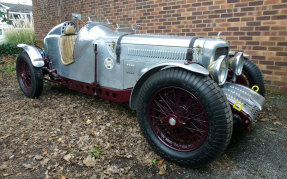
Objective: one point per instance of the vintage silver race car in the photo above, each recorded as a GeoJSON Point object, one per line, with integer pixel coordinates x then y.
{"type": "Point", "coordinates": [188, 92]}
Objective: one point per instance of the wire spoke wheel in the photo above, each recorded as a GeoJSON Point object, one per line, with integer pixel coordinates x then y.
{"type": "Point", "coordinates": [178, 119]}
{"type": "Point", "coordinates": [24, 74]}
{"type": "Point", "coordinates": [30, 78]}
{"type": "Point", "coordinates": [184, 117]}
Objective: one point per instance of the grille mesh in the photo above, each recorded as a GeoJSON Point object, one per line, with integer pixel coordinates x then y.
{"type": "Point", "coordinates": [220, 51]}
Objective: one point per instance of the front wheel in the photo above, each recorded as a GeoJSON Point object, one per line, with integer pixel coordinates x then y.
{"type": "Point", "coordinates": [29, 77]}
{"type": "Point", "coordinates": [185, 117]}
{"type": "Point", "coordinates": [251, 75]}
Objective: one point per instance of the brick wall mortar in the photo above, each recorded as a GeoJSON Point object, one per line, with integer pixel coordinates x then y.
{"type": "Point", "coordinates": [259, 27]}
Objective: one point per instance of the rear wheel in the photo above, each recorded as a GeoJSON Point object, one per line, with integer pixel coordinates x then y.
{"type": "Point", "coordinates": [30, 78]}
{"type": "Point", "coordinates": [184, 117]}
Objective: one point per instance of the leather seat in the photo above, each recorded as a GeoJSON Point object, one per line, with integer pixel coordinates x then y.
{"type": "Point", "coordinates": [67, 44]}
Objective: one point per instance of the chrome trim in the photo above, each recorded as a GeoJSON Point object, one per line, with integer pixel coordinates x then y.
{"type": "Point", "coordinates": [214, 68]}
{"type": "Point", "coordinates": [208, 50]}
{"type": "Point", "coordinates": [34, 54]}
{"type": "Point", "coordinates": [252, 101]}
{"type": "Point", "coordinates": [232, 53]}
{"type": "Point", "coordinates": [236, 63]}
{"type": "Point", "coordinates": [156, 40]}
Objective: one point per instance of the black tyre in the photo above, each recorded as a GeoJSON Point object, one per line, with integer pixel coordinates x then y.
{"type": "Point", "coordinates": [185, 117]}
{"type": "Point", "coordinates": [29, 77]}
{"type": "Point", "coordinates": [251, 75]}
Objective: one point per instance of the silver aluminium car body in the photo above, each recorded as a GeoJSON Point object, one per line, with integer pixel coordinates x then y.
{"type": "Point", "coordinates": [134, 57]}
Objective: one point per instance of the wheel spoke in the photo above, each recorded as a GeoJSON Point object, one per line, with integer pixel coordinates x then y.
{"type": "Point", "coordinates": [24, 75]}
{"type": "Point", "coordinates": [178, 119]}
{"type": "Point", "coordinates": [169, 99]}
{"type": "Point", "coordinates": [162, 108]}
{"type": "Point", "coordinates": [166, 103]}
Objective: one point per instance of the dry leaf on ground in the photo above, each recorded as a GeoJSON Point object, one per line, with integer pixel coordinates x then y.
{"type": "Point", "coordinates": [89, 161]}
{"type": "Point", "coordinates": [162, 170]}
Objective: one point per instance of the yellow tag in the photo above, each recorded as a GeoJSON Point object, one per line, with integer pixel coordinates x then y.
{"type": "Point", "coordinates": [238, 108]}
{"type": "Point", "coordinates": [257, 88]}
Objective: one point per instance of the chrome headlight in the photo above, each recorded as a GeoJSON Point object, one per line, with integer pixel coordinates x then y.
{"type": "Point", "coordinates": [236, 63]}
{"type": "Point", "coordinates": [219, 69]}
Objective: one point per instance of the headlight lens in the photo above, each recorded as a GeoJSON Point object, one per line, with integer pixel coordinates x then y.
{"type": "Point", "coordinates": [219, 69]}
{"type": "Point", "coordinates": [236, 63]}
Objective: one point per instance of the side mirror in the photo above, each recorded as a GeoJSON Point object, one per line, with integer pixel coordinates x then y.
{"type": "Point", "coordinates": [76, 16]}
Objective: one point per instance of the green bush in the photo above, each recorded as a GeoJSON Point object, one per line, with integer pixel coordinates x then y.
{"type": "Point", "coordinates": [9, 49]}
{"type": "Point", "coordinates": [16, 36]}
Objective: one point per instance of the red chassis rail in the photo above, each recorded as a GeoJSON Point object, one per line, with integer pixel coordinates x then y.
{"type": "Point", "coordinates": [120, 96]}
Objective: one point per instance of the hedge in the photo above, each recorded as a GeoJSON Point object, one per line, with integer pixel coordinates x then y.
{"type": "Point", "coordinates": [9, 49]}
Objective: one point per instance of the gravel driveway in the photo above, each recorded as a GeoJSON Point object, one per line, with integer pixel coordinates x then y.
{"type": "Point", "coordinates": [67, 134]}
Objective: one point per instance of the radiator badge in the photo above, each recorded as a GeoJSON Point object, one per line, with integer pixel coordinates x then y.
{"type": "Point", "coordinates": [109, 63]}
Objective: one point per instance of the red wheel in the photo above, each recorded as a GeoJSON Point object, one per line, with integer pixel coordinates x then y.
{"type": "Point", "coordinates": [24, 74]}
{"type": "Point", "coordinates": [185, 117]}
{"type": "Point", "coordinates": [178, 119]}
{"type": "Point", "coordinates": [29, 77]}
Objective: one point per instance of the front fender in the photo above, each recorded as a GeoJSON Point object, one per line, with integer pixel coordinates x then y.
{"type": "Point", "coordinates": [147, 72]}
{"type": "Point", "coordinates": [34, 54]}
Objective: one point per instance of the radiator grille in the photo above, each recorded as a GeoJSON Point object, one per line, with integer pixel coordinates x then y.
{"type": "Point", "coordinates": [220, 51]}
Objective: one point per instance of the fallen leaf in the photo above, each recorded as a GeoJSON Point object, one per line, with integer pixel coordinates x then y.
{"type": "Point", "coordinates": [160, 162]}
{"type": "Point", "coordinates": [148, 155]}
{"type": "Point", "coordinates": [11, 157]}
{"type": "Point", "coordinates": [271, 129]}
{"type": "Point", "coordinates": [60, 139]}
{"type": "Point", "coordinates": [63, 177]}
{"type": "Point", "coordinates": [112, 169]}
{"type": "Point", "coordinates": [52, 135]}
{"type": "Point", "coordinates": [162, 170]}
{"type": "Point", "coordinates": [45, 153]}
{"type": "Point", "coordinates": [89, 121]}
{"type": "Point", "coordinates": [67, 157]}
{"type": "Point", "coordinates": [5, 174]}
{"type": "Point", "coordinates": [263, 119]}
{"type": "Point", "coordinates": [38, 157]}
{"type": "Point", "coordinates": [45, 161]}
{"type": "Point", "coordinates": [277, 123]}
{"type": "Point", "coordinates": [47, 174]}
{"type": "Point", "coordinates": [3, 167]}
{"type": "Point", "coordinates": [89, 161]}
{"type": "Point", "coordinates": [22, 136]}
{"type": "Point", "coordinates": [28, 166]}
{"type": "Point", "coordinates": [4, 137]}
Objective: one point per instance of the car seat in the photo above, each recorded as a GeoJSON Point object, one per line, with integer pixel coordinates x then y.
{"type": "Point", "coordinates": [67, 44]}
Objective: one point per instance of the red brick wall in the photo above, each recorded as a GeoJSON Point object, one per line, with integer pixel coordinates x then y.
{"type": "Point", "coordinates": [258, 27]}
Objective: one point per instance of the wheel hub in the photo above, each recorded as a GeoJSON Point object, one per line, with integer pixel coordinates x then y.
{"type": "Point", "coordinates": [172, 121]}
